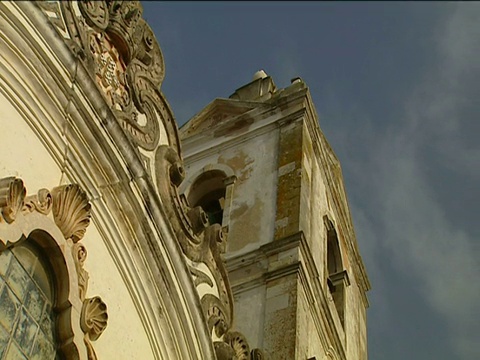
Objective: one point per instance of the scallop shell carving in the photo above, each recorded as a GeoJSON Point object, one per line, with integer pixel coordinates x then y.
{"type": "Point", "coordinates": [94, 317]}
{"type": "Point", "coordinates": [71, 211]}
{"type": "Point", "coordinates": [12, 194]}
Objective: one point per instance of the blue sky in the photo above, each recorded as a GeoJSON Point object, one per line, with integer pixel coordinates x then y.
{"type": "Point", "coordinates": [396, 85]}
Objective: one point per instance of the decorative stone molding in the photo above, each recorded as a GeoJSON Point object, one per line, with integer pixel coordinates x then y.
{"type": "Point", "coordinates": [79, 253]}
{"type": "Point", "coordinates": [58, 220]}
{"type": "Point", "coordinates": [332, 353]}
{"type": "Point", "coordinates": [42, 202]}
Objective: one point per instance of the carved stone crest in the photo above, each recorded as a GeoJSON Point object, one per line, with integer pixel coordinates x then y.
{"type": "Point", "coordinates": [120, 50]}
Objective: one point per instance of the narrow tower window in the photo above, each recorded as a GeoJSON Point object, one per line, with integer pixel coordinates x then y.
{"type": "Point", "coordinates": [337, 278]}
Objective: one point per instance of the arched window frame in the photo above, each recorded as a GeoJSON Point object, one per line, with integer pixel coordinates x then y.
{"type": "Point", "coordinates": [55, 221]}
{"type": "Point", "coordinates": [229, 179]}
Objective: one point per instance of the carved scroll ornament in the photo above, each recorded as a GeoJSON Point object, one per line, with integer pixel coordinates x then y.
{"type": "Point", "coordinates": [202, 246]}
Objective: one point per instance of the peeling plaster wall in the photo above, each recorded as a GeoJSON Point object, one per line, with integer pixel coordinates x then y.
{"type": "Point", "coordinates": [249, 320]}
{"type": "Point", "coordinates": [26, 157]}
{"type": "Point", "coordinates": [252, 213]}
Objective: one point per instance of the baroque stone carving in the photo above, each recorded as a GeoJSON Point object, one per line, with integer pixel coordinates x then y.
{"type": "Point", "coordinates": [239, 344]}
{"type": "Point", "coordinates": [93, 321]}
{"type": "Point", "coordinates": [95, 13]}
{"type": "Point", "coordinates": [94, 317]}
{"type": "Point", "coordinates": [201, 244]}
{"type": "Point", "coordinates": [71, 211]}
{"type": "Point", "coordinates": [12, 194]}
{"type": "Point", "coordinates": [234, 346]}
{"type": "Point", "coordinates": [110, 71]}
{"type": "Point", "coordinates": [257, 354]}
{"type": "Point", "coordinates": [119, 49]}
{"type": "Point", "coordinates": [79, 253]}
{"type": "Point", "coordinates": [200, 277]}
{"type": "Point", "coordinates": [41, 202]}
{"type": "Point", "coordinates": [120, 52]}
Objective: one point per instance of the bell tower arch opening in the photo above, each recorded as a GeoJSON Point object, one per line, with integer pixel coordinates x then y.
{"type": "Point", "coordinates": [209, 191]}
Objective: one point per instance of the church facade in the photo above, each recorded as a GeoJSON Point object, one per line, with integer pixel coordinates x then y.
{"type": "Point", "coordinates": [122, 236]}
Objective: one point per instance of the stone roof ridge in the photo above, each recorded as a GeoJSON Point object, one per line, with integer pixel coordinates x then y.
{"type": "Point", "coordinates": [261, 92]}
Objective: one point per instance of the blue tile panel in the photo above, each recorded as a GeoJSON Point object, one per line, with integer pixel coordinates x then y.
{"type": "Point", "coordinates": [26, 317]}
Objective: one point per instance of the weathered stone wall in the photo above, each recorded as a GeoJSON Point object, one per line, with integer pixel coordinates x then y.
{"type": "Point", "coordinates": [355, 327]}
{"type": "Point", "coordinates": [317, 201]}
{"type": "Point", "coordinates": [281, 318]}
{"type": "Point", "coordinates": [309, 343]}
{"type": "Point", "coordinates": [252, 209]}
{"type": "Point", "coordinates": [289, 184]}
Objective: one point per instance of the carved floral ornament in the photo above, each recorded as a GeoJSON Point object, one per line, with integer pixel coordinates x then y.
{"type": "Point", "coordinates": [65, 210]}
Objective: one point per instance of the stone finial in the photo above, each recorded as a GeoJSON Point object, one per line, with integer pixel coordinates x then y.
{"type": "Point", "coordinates": [260, 74]}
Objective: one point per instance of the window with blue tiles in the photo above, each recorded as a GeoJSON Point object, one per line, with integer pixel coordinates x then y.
{"type": "Point", "coordinates": [27, 326]}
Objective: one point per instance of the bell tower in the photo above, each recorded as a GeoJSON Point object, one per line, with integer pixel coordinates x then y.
{"type": "Point", "coordinates": [260, 166]}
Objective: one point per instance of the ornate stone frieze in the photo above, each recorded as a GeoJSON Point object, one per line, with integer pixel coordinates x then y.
{"type": "Point", "coordinates": [70, 209]}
